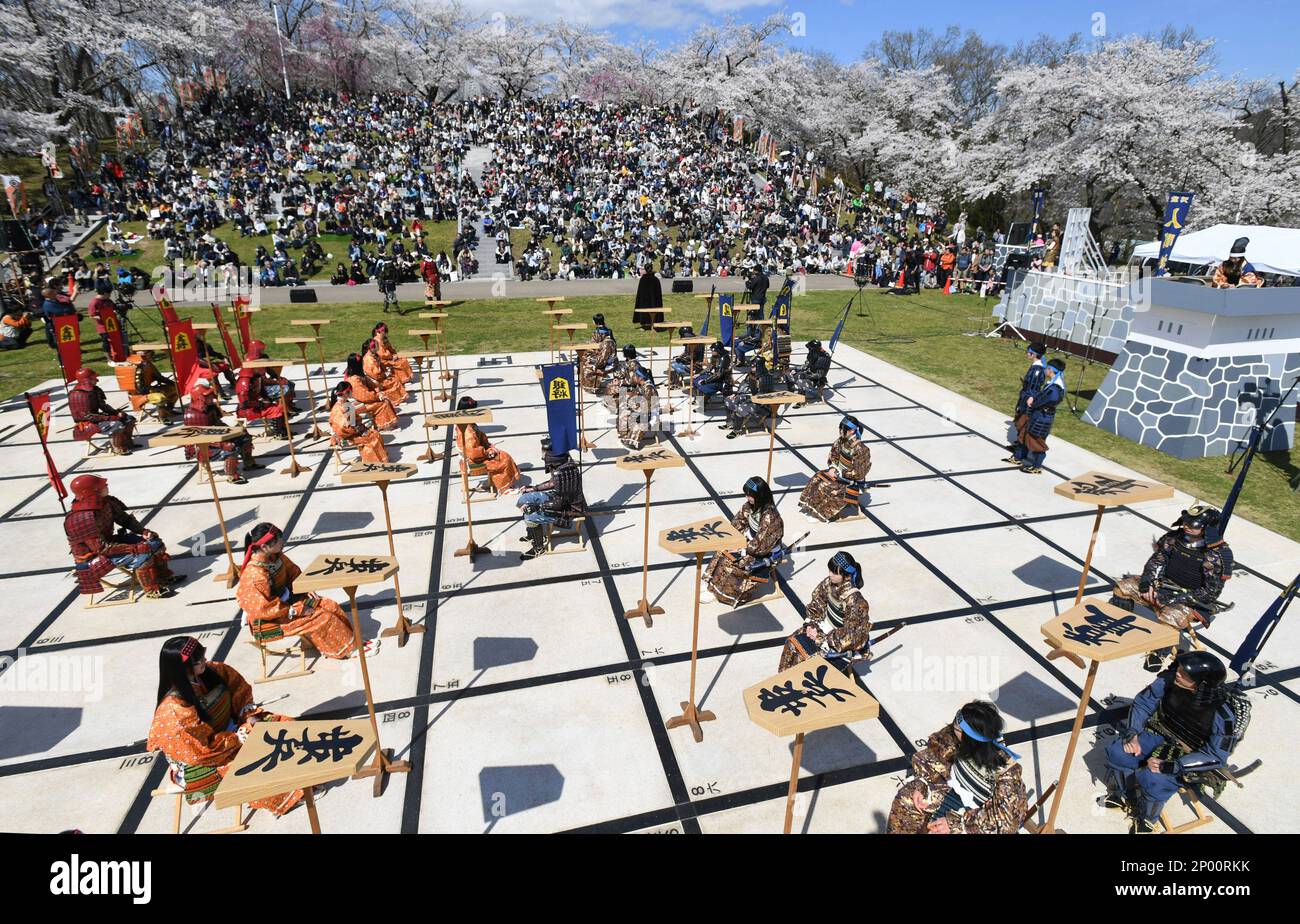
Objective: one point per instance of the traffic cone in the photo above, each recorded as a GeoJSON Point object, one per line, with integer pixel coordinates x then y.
{"type": "Point", "coordinates": [947, 286]}
{"type": "Point", "coordinates": [901, 279]}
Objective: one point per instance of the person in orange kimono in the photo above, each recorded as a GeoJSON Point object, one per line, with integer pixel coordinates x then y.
{"type": "Point", "coordinates": [348, 428]}
{"type": "Point", "coordinates": [395, 365]}
{"type": "Point", "coordinates": [477, 449]}
{"type": "Point", "coordinates": [273, 611]}
{"type": "Point", "coordinates": [389, 384]}
{"type": "Point", "coordinates": [365, 391]}
{"type": "Point", "coordinates": [205, 712]}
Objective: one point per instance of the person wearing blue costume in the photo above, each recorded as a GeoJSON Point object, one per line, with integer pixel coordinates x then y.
{"type": "Point", "coordinates": [1032, 448]}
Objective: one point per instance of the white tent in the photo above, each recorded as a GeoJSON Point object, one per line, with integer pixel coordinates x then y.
{"type": "Point", "coordinates": [1271, 250]}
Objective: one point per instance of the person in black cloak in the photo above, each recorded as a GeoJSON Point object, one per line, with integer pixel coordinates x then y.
{"type": "Point", "coordinates": [649, 294]}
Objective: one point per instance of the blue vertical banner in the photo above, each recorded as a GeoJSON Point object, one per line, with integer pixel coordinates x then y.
{"type": "Point", "coordinates": [704, 328]}
{"type": "Point", "coordinates": [839, 328]}
{"type": "Point", "coordinates": [782, 308]}
{"type": "Point", "coordinates": [1040, 196]}
{"type": "Point", "coordinates": [1177, 205]}
{"type": "Point", "coordinates": [561, 409]}
{"type": "Point", "coordinates": [726, 319]}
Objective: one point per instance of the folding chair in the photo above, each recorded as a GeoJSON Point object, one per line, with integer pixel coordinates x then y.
{"type": "Point", "coordinates": [292, 645]}
{"type": "Point", "coordinates": [169, 788]}
{"type": "Point", "coordinates": [130, 588]}
{"type": "Point", "coordinates": [576, 531]}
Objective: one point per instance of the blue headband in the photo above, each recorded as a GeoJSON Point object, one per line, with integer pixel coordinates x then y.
{"type": "Point", "coordinates": [997, 742]}
{"type": "Point", "coordinates": [851, 424]}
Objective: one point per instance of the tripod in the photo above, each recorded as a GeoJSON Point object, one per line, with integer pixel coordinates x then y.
{"type": "Point", "coordinates": [1006, 321]}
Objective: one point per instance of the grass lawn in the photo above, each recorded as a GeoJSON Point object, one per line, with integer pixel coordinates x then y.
{"type": "Point", "coordinates": [922, 334]}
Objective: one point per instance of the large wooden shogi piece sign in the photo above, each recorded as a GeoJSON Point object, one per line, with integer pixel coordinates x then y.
{"type": "Point", "coordinates": [279, 757]}
{"type": "Point", "coordinates": [808, 697]}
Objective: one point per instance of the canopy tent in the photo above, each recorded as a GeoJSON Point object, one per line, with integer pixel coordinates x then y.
{"type": "Point", "coordinates": [1271, 250]}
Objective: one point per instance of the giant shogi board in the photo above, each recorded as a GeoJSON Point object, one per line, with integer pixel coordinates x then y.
{"type": "Point", "coordinates": [532, 704]}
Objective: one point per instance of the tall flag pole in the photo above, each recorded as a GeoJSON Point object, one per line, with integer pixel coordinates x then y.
{"type": "Point", "coordinates": [39, 406]}
{"type": "Point", "coordinates": [839, 328]}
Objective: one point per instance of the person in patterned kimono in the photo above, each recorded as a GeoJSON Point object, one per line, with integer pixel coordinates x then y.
{"type": "Point", "coordinates": [732, 576]}
{"type": "Point", "coordinates": [204, 714]}
{"type": "Point", "coordinates": [621, 379]}
{"type": "Point", "coordinates": [387, 382]}
{"type": "Point", "coordinates": [1029, 385]}
{"type": "Point", "coordinates": [235, 454]}
{"type": "Point", "coordinates": [596, 363]}
{"type": "Point", "coordinates": [365, 392]}
{"type": "Point", "coordinates": [837, 621]}
{"type": "Point", "coordinates": [1183, 579]}
{"type": "Point", "coordinates": [97, 546]}
{"type": "Point", "coordinates": [639, 410]}
{"type": "Point", "coordinates": [92, 414]}
{"type": "Point", "coordinates": [1037, 424]}
{"type": "Point", "coordinates": [348, 427]}
{"type": "Point", "coordinates": [843, 482]}
{"type": "Point", "coordinates": [964, 781]}
{"type": "Point", "coordinates": [554, 502]}
{"type": "Point", "coordinates": [273, 611]}
{"type": "Point", "coordinates": [476, 449]}
{"type": "Point", "coordinates": [394, 365]}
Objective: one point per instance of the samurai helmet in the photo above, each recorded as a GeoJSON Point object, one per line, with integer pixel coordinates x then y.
{"type": "Point", "coordinates": [466, 403]}
{"type": "Point", "coordinates": [1200, 516]}
{"type": "Point", "coordinates": [87, 376]}
{"type": "Point", "coordinates": [86, 487]}
{"type": "Point", "coordinates": [1207, 672]}
{"type": "Point", "coordinates": [256, 350]}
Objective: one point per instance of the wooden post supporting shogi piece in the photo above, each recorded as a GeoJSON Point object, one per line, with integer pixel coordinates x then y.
{"type": "Point", "coordinates": [201, 438]}
{"type": "Point", "coordinates": [301, 343]}
{"type": "Point", "coordinates": [341, 571]}
{"type": "Point", "coordinates": [690, 431]}
{"type": "Point", "coordinates": [776, 400]}
{"type": "Point", "coordinates": [647, 461]}
{"type": "Point", "coordinates": [426, 399]}
{"type": "Point", "coordinates": [667, 327]}
{"type": "Point", "coordinates": [439, 332]}
{"type": "Point", "coordinates": [478, 415]}
{"type": "Point", "coordinates": [1107, 491]}
{"type": "Point", "coordinates": [708, 305]}
{"type": "Point", "coordinates": [435, 357]}
{"type": "Point", "coordinates": [714, 534]}
{"type": "Point", "coordinates": [1091, 632]}
{"type": "Point", "coordinates": [553, 315]}
{"type": "Point", "coordinates": [294, 469]}
{"type": "Point", "coordinates": [316, 324]}
{"type": "Point", "coordinates": [381, 473]}
{"type": "Point", "coordinates": [583, 442]}
{"type": "Point", "coordinates": [279, 757]}
{"type": "Point", "coordinates": [569, 329]}
{"type": "Point", "coordinates": [808, 697]}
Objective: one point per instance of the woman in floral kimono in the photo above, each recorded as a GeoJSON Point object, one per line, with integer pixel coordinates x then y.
{"type": "Point", "coordinates": [273, 611]}
{"type": "Point", "coordinates": [348, 428]}
{"type": "Point", "coordinates": [964, 781]}
{"type": "Point", "coordinates": [731, 576]}
{"type": "Point", "coordinates": [205, 712]}
{"type": "Point", "coordinates": [837, 618]}
{"type": "Point", "coordinates": [841, 483]}
{"type": "Point", "coordinates": [365, 391]}
{"type": "Point", "coordinates": [476, 449]}
{"type": "Point", "coordinates": [395, 365]}
{"type": "Point", "coordinates": [387, 383]}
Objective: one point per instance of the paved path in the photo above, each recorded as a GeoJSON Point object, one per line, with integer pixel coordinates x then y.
{"type": "Point", "coordinates": [476, 159]}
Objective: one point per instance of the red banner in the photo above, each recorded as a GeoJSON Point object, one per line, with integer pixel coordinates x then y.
{"type": "Point", "coordinates": [40, 408]}
{"type": "Point", "coordinates": [67, 337]}
{"type": "Point", "coordinates": [231, 353]}
{"type": "Point", "coordinates": [244, 320]}
{"type": "Point", "coordinates": [165, 308]}
{"type": "Point", "coordinates": [116, 342]}
{"type": "Point", "coordinates": [185, 353]}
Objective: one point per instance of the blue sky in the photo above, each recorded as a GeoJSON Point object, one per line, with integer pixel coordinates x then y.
{"type": "Point", "coordinates": [1256, 39]}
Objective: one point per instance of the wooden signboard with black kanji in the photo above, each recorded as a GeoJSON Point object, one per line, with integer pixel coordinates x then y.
{"type": "Point", "coordinates": [1112, 490]}
{"type": "Point", "coordinates": [643, 460]}
{"type": "Point", "coordinates": [361, 472]}
{"type": "Point", "coordinates": [279, 757]}
{"type": "Point", "coordinates": [810, 696]}
{"type": "Point", "coordinates": [335, 570]}
{"type": "Point", "coordinates": [196, 436]}
{"type": "Point", "coordinates": [1099, 631]}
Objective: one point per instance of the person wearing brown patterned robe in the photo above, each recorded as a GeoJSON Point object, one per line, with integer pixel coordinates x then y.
{"type": "Point", "coordinates": [639, 410]}
{"type": "Point", "coordinates": [733, 576]}
{"type": "Point", "coordinates": [620, 380]}
{"type": "Point", "coordinates": [595, 362]}
{"type": "Point", "coordinates": [837, 621]}
{"type": "Point", "coordinates": [964, 781]}
{"type": "Point", "coordinates": [843, 481]}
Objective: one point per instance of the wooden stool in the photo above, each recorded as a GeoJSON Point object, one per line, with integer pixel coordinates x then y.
{"type": "Point", "coordinates": [339, 462]}
{"type": "Point", "coordinates": [131, 587]}
{"type": "Point", "coordinates": [296, 646]}
{"type": "Point", "coordinates": [575, 532]}
{"type": "Point", "coordinates": [480, 471]}
{"type": "Point", "coordinates": [168, 788]}
{"type": "Point", "coordinates": [97, 443]}
{"type": "Point", "coordinates": [1202, 816]}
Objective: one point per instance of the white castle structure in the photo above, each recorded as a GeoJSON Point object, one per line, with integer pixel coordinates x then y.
{"type": "Point", "coordinates": [1188, 352]}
